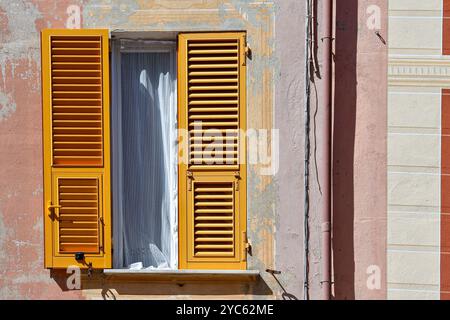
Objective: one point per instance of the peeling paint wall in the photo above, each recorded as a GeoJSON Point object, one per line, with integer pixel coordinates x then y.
{"type": "Point", "coordinates": [275, 93]}
{"type": "Point", "coordinates": [21, 227]}
{"type": "Point", "coordinates": [289, 119]}
{"type": "Point", "coordinates": [20, 116]}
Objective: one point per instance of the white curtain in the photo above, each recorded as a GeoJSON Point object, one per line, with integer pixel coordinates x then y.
{"type": "Point", "coordinates": [144, 156]}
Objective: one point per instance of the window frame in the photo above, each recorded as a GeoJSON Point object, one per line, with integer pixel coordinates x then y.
{"type": "Point", "coordinates": [111, 103]}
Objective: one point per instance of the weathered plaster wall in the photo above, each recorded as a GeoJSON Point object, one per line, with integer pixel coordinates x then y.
{"type": "Point", "coordinates": [21, 245]}
{"type": "Point", "coordinates": [21, 227]}
{"type": "Point", "coordinates": [275, 100]}
{"type": "Point", "coordinates": [289, 119]}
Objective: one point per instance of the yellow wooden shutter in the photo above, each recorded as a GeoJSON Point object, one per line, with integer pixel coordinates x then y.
{"type": "Point", "coordinates": [75, 90]}
{"type": "Point", "coordinates": [212, 180]}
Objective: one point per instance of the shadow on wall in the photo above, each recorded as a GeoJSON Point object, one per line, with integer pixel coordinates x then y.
{"type": "Point", "coordinates": [345, 60]}
{"type": "Point", "coordinates": [111, 289]}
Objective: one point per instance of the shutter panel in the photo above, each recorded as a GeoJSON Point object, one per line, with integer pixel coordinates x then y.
{"type": "Point", "coordinates": [75, 91]}
{"type": "Point", "coordinates": [212, 181]}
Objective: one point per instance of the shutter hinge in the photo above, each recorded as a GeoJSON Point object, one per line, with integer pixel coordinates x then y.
{"type": "Point", "coordinates": [247, 246]}
{"type": "Point", "coordinates": [190, 178]}
{"type": "Point", "coordinates": [247, 54]}
{"type": "Point", "coordinates": [237, 177]}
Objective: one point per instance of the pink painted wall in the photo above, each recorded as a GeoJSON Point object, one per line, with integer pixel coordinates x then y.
{"type": "Point", "coordinates": [360, 163]}
{"type": "Point", "coordinates": [359, 184]}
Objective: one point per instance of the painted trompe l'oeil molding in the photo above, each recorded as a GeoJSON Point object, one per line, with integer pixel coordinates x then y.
{"type": "Point", "coordinates": [433, 71]}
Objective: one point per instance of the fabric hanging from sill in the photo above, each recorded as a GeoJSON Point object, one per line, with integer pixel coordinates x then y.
{"type": "Point", "coordinates": [145, 172]}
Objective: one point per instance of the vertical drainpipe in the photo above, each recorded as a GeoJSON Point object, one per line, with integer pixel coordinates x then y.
{"type": "Point", "coordinates": [324, 134]}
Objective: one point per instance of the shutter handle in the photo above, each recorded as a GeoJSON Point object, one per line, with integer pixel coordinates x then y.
{"type": "Point", "coordinates": [51, 207]}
